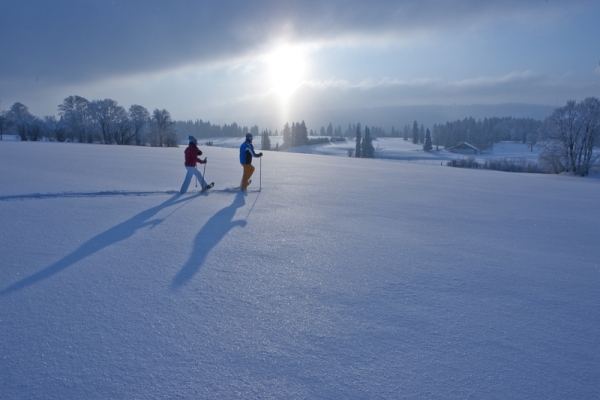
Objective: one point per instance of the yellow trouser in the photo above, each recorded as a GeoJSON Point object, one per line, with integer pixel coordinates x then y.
{"type": "Point", "coordinates": [248, 171]}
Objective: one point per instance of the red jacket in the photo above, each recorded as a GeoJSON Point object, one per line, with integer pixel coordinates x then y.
{"type": "Point", "coordinates": [191, 156]}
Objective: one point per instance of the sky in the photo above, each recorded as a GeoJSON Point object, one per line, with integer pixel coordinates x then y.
{"type": "Point", "coordinates": [268, 62]}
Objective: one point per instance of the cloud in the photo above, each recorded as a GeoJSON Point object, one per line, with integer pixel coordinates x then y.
{"type": "Point", "coordinates": [74, 41]}
{"type": "Point", "coordinates": [517, 87]}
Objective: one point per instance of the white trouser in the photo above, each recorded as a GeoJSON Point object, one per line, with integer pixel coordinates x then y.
{"type": "Point", "coordinates": [188, 178]}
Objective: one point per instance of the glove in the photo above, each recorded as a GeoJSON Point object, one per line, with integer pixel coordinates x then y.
{"type": "Point", "coordinates": [259, 154]}
{"type": "Point", "coordinates": [204, 162]}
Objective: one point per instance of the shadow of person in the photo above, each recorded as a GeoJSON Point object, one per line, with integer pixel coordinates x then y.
{"type": "Point", "coordinates": [105, 239]}
{"type": "Point", "coordinates": [209, 236]}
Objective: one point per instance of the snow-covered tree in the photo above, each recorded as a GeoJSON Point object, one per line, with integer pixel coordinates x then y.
{"type": "Point", "coordinates": [20, 118]}
{"type": "Point", "coordinates": [110, 117]}
{"type": "Point", "coordinates": [75, 113]}
{"type": "Point", "coordinates": [162, 132]}
{"type": "Point", "coordinates": [569, 136]}
{"type": "Point", "coordinates": [139, 118]}
{"type": "Point", "coordinates": [4, 123]}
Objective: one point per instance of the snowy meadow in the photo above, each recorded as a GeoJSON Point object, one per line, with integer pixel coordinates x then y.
{"type": "Point", "coordinates": [340, 278]}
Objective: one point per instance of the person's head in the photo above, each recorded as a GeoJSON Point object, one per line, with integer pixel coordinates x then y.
{"type": "Point", "coordinates": [249, 137]}
{"type": "Point", "coordinates": [192, 139]}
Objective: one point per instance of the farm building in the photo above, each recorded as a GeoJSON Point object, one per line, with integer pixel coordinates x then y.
{"type": "Point", "coordinates": [464, 148]}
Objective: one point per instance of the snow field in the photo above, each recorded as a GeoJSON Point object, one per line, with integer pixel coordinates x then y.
{"type": "Point", "coordinates": [342, 278]}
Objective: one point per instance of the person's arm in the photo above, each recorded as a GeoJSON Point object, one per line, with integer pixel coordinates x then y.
{"type": "Point", "coordinates": [254, 153]}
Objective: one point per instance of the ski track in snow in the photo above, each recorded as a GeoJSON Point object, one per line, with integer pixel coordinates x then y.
{"type": "Point", "coordinates": [341, 278]}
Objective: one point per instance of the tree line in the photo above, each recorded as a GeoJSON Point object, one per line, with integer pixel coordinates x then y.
{"type": "Point", "coordinates": [201, 129]}
{"type": "Point", "coordinates": [96, 121]}
{"type": "Point", "coordinates": [484, 133]}
{"type": "Point", "coordinates": [568, 138]}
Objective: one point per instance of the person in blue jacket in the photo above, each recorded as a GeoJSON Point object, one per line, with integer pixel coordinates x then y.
{"type": "Point", "coordinates": [246, 154]}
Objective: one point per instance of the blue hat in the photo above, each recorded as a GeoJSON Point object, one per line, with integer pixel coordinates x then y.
{"type": "Point", "coordinates": [192, 139]}
{"type": "Point", "coordinates": [249, 137]}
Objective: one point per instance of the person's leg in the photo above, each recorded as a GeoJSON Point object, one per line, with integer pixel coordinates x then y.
{"type": "Point", "coordinates": [187, 180]}
{"type": "Point", "coordinates": [248, 171]}
{"type": "Point", "coordinates": [199, 176]}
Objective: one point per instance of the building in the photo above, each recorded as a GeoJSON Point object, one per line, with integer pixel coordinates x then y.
{"type": "Point", "coordinates": [464, 148]}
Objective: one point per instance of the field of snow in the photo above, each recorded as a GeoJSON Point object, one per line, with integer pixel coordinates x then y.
{"type": "Point", "coordinates": [341, 278]}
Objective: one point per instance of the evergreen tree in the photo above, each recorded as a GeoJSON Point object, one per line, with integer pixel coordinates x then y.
{"type": "Point", "coordinates": [358, 152]}
{"type": "Point", "coordinates": [302, 133]}
{"type": "Point", "coordinates": [368, 151]}
{"type": "Point", "coordinates": [330, 130]}
{"type": "Point", "coordinates": [287, 137]}
{"type": "Point", "coordinates": [422, 134]}
{"type": "Point", "coordinates": [294, 141]}
{"type": "Point", "coordinates": [415, 133]}
{"type": "Point", "coordinates": [427, 146]}
{"type": "Point", "coordinates": [266, 142]}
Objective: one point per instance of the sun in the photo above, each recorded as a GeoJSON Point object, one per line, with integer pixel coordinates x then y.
{"type": "Point", "coordinates": [287, 66]}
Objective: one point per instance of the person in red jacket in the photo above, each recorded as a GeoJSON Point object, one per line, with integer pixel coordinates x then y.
{"type": "Point", "coordinates": [191, 158]}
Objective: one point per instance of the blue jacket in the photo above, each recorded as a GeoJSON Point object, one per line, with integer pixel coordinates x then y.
{"type": "Point", "coordinates": [246, 153]}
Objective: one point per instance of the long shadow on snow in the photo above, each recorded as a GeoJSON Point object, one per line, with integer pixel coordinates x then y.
{"type": "Point", "coordinates": [209, 236]}
{"type": "Point", "coordinates": [107, 238]}
{"type": "Point", "coordinates": [108, 193]}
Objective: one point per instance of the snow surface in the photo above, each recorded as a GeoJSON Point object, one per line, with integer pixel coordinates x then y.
{"type": "Point", "coordinates": [342, 278]}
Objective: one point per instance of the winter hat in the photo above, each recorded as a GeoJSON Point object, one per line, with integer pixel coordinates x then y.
{"type": "Point", "coordinates": [192, 139]}
{"type": "Point", "coordinates": [249, 137]}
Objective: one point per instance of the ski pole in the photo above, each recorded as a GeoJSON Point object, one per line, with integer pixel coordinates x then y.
{"type": "Point", "coordinates": [204, 173]}
{"type": "Point", "coordinates": [260, 175]}
{"type": "Point", "coordinates": [196, 177]}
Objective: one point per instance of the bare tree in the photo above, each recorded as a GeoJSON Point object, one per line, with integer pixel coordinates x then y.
{"type": "Point", "coordinates": [4, 123]}
{"type": "Point", "coordinates": [123, 132]}
{"type": "Point", "coordinates": [74, 111]}
{"type": "Point", "coordinates": [109, 116]}
{"type": "Point", "coordinates": [139, 118]}
{"type": "Point", "coordinates": [20, 118]}
{"type": "Point", "coordinates": [568, 137]}
{"type": "Point", "coordinates": [163, 129]}
{"type": "Point", "coordinates": [56, 130]}
{"type": "Point", "coordinates": [35, 129]}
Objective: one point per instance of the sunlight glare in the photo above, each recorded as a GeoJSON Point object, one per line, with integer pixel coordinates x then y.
{"type": "Point", "coordinates": [286, 69]}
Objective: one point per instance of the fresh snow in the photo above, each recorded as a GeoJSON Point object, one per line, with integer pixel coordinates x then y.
{"type": "Point", "coordinates": [341, 278]}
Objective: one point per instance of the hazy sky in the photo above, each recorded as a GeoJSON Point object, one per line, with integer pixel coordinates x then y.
{"type": "Point", "coordinates": [272, 61]}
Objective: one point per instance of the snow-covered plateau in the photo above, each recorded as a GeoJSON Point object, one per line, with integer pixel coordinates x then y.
{"type": "Point", "coordinates": [341, 278]}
